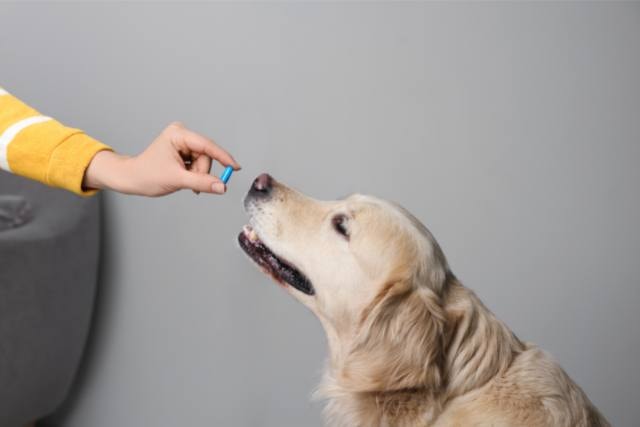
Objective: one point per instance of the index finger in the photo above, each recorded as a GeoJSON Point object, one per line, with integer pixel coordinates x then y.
{"type": "Point", "coordinates": [198, 143]}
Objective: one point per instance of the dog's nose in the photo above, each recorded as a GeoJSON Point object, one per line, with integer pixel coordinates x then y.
{"type": "Point", "coordinates": [262, 185]}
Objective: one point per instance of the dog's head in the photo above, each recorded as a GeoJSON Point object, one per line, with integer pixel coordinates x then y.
{"type": "Point", "coordinates": [370, 271]}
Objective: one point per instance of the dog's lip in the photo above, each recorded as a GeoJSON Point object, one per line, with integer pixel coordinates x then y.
{"type": "Point", "coordinates": [282, 271]}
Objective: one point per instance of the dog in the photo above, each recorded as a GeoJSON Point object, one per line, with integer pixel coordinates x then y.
{"type": "Point", "coordinates": [409, 345]}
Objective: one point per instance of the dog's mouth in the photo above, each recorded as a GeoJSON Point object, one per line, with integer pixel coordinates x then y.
{"type": "Point", "coordinates": [276, 267]}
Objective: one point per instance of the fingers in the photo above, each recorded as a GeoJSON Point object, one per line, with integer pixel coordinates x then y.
{"type": "Point", "coordinates": [201, 164]}
{"type": "Point", "coordinates": [202, 182]}
{"type": "Point", "coordinates": [192, 141]}
{"type": "Point", "coordinates": [202, 150]}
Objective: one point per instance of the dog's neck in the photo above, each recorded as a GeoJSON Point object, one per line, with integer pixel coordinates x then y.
{"type": "Point", "coordinates": [477, 347]}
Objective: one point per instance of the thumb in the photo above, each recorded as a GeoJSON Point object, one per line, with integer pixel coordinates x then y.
{"type": "Point", "coordinates": [202, 182]}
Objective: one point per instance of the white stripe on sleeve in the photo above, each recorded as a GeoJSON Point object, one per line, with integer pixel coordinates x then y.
{"type": "Point", "coordinates": [10, 133]}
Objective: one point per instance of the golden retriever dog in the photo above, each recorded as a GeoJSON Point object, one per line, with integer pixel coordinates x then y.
{"type": "Point", "coordinates": [409, 345]}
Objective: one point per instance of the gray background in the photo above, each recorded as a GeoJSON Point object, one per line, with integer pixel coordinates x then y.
{"type": "Point", "coordinates": [511, 130]}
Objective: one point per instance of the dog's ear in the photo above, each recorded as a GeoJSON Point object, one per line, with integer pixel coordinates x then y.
{"type": "Point", "coordinates": [400, 343]}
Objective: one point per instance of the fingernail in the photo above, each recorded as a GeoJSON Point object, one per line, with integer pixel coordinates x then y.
{"type": "Point", "coordinates": [218, 187]}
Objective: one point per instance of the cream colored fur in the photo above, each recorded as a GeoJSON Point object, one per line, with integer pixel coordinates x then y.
{"type": "Point", "coordinates": [409, 345]}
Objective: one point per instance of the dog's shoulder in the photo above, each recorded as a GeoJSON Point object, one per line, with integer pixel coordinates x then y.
{"type": "Point", "coordinates": [534, 391]}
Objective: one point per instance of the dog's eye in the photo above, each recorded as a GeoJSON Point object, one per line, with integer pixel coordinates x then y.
{"type": "Point", "coordinates": [340, 223]}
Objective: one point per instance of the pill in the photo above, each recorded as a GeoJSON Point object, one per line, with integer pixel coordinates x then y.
{"type": "Point", "coordinates": [226, 174]}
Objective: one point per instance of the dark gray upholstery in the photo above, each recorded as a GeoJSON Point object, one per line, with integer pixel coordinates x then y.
{"type": "Point", "coordinates": [48, 274]}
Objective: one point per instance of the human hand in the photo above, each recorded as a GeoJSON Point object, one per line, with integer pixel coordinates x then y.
{"type": "Point", "coordinates": [177, 159]}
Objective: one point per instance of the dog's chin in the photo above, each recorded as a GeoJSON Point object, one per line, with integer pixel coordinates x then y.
{"type": "Point", "coordinates": [280, 270]}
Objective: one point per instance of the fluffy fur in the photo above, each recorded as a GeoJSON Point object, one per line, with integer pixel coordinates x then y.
{"type": "Point", "coordinates": [409, 345]}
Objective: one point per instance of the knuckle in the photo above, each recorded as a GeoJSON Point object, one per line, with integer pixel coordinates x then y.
{"type": "Point", "coordinates": [173, 128]}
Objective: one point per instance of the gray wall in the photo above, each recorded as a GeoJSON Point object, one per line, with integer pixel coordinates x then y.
{"type": "Point", "coordinates": [511, 130]}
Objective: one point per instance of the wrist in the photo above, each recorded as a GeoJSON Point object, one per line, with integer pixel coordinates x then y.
{"type": "Point", "coordinates": [107, 170]}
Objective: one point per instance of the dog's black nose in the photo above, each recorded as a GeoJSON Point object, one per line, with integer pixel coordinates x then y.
{"type": "Point", "coordinates": [262, 185]}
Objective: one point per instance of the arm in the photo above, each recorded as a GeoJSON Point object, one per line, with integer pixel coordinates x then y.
{"type": "Point", "coordinates": [42, 149]}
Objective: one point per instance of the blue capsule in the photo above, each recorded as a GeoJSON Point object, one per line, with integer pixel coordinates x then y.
{"type": "Point", "coordinates": [226, 174]}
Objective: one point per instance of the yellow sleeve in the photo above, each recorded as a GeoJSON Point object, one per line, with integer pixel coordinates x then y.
{"type": "Point", "coordinates": [40, 148]}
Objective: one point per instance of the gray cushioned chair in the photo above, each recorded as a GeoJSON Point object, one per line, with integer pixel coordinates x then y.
{"type": "Point", "coordinates": [48, 275]}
